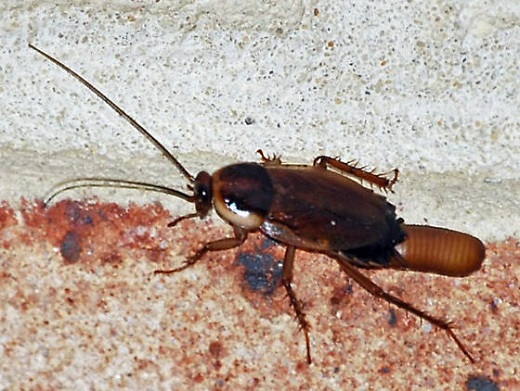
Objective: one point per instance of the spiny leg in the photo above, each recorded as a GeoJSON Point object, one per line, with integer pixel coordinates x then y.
{"type": "Point", "coordinates": [295, 303]}
{"type": "Point", "coordinates": [375, 290]}
{"type": "Point", "coordinates": [216, 245]}
{"type": "Point", "coordinates": [275, 160]}
{"type": "Point", "coordinates": [379, 180]}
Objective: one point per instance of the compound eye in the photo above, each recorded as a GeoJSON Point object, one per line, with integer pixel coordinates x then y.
{"type": "Point", "coordinates": [203, 193]}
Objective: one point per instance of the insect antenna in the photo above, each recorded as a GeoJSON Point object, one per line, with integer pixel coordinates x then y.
{"type": "Point", "coordinates": [117, 183]}
{"type": "Point", "coordinates": [122, 113]}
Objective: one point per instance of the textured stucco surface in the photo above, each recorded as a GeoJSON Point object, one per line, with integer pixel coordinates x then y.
{"type": "Point", "coordinates": [429, 88]}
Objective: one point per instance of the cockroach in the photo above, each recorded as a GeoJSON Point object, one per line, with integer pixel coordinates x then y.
{"type": "Point", "coordinates": [320, 208]}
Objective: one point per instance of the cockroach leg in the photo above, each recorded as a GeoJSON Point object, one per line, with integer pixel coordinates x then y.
{"type": "Point", "coordinates": [379, 180]}
{"type": "Point", "coordinates": [375, 290]}
{"type": "Point", "coordinates": [295, 303]}
{"type": "Point", "coordinates": [182, 218]}
{"type": "Point", "coordinates": [266, 160]}
{"type": "Point", "coordinates": [216, 245]}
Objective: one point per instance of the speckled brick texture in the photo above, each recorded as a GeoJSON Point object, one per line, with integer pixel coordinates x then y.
{"type": "Point", "coordinates": [101, 318]}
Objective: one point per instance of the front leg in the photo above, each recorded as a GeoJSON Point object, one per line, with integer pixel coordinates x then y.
{"type": "Point", "coordinates": [216, 245]}
{"type": "Point", "coordinates": [350, 168]}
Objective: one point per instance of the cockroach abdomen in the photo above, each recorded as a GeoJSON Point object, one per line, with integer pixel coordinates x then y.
{"type": "Point", "coordinates": [439, 250]}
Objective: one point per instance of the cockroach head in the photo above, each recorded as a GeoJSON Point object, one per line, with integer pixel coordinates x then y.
{"type": "Point", "coordinates": [202, 193]}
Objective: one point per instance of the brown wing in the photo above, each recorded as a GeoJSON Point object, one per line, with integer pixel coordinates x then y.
{"type": "Point", "coordinates": [320, 210]}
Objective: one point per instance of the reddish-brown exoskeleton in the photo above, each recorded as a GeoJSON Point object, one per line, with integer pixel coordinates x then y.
{"type": "Point", "coordinates": [314, 208]}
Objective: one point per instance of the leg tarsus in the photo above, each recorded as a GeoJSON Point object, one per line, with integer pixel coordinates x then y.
{"type": "Point", "coordinates": [295, 303]}
{"type": "Point", "coordinates": [375, 290]}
